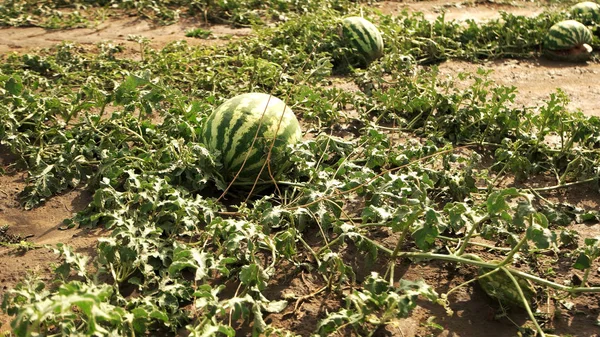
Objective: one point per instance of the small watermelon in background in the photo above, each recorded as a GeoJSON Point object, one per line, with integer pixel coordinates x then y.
{"type": "Point", "coordinates": [243, 128]}
{"type": "Point", "coordinates": [569, 41]}
{"type": "Point", "coordinates": [586, 12]}
{"type": "Point", "coordinates": [363, 37]}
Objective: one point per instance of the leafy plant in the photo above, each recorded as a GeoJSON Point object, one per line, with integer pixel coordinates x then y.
{"type": "Point", "coordinates": [198, 33]}
{"type": "Point", "coordinates": [397, 163]}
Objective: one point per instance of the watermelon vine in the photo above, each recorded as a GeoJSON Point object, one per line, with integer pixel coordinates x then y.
{"type": "Point", "coordinates": [407, 167]}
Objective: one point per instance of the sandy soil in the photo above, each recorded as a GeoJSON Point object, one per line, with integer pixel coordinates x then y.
{"type": "Point", "coordinates": [579, 82]}
{"type": "Point", "coordinates": [116, 31]}
{"type": "Point", "coordinates": [474, 312]}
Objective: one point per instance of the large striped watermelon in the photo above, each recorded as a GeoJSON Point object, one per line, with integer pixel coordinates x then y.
{"type": "Point", "coordinates": [568, 40]}
{"type": "Point", "coordinates": [243, 128]}
{"type": "Point", "coordinates": [586, 12]}
{"type": "Point", "coordinates": [362, 36]}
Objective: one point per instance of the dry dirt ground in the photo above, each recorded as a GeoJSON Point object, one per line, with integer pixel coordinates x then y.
{"type": "Point", "coordinates": [474, 314]}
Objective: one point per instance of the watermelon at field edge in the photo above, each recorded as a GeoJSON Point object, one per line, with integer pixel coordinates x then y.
{"type": "Point", "coordinates": [568, 40]}
{"type": "Point", "coordinates": [362, 36]}
{"type": "Point", "coordinates": [242, 130]}
{"type": "Point", "coordinates": [586, 12]}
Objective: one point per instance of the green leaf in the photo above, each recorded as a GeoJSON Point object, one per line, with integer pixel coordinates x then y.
{"type": "Point", "coordinates": [542, 237]}
{"type": "Point", "coordinates": [329, 324]}
{"type": "Point", "coordinates": [14, 86]}
{"type": "Point", "coordinates": [583, 262]}
{"type": "Point", "coordinates": [592, 243]}
{"type": "Point", "coordinates": [568, 237]}
{"type": "Point", "coordinates": [405, 216]}
{"type": "Point", "coordinates": [427, 231]}
{"type": "Point", "coordinates": [253, 275]}
{"type": "Point", "coordinates": [128, 88]}
{"type": "Point", "coordinates": [186, 257]}
{"type": "Point", "coordinates": [496, 202]}
{"type": "Point", "coordinates": [285, 242]}
{"type": "Point", "coordinates": [459, 215]}
{"type": "Point", "coordinates": [524, 209]}
{"type": "Point", "coordinates": [557, 216]}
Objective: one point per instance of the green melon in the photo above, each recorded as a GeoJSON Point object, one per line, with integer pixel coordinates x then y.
{"type": "Point", "coordinates": [586, 12]}
{"type": "Point", "coordinates": [243, 129]}
{"type": "Point", "coordinates": [362, 36]}
{"type": "Point", "coordinates": [501, 287]}
{"type": "Point", "coordinates": [568, 40]}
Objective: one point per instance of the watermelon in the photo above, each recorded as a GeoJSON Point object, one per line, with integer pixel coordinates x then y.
{"type": "Point", "coordinates": [586, 12]}
{"type": "Point", "coordinates": [362, 36]}
{"type": "Point", "coordinates": [568, 40]}
{"type": "Point", "coordinates": [501, 287]}
{"type": "Point", "coordinates": [243, 129]}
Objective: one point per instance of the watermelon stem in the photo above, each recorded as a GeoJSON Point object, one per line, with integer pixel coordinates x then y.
{"type": "Point", "coordinates": [479, 244]}
{"type": "Point", "coordinates": [524, 300]}
{"type": "Point", "coordinates": [564, 185]}
{"type": "Point", "coordinates": [463, 259]}
{"type": "Point", "coordinates": [498, 266]}
{"type": "Point", "coordinates": [517, 247]}
{"type": "Point", "coordinates": [585, 276]}
{"type": "Point", "coordinates": [287, 183]}
{"type": "Point", "coordinates": [392, 262]}
{"type": "Point", "coordinates": [459, 259]}
{"type": "Point", "coordinates": [463, 246]}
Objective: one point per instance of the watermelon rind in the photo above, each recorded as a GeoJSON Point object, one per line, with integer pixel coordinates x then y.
{"type": "Point", "coordinates": [586, 12]}
{"type": "Point", "coordinates": [363, 36]}
{"type": "Point", "coordinates": [567, 34]}
{"type": "Point", "coordinates": [243, 128]}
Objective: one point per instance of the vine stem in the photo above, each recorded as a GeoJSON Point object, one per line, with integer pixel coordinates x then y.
{"type": "Point", "coordinates": [557, 151]}
{"type": "Point", "coordinates": [585, 276]}
{"type": "Point", "coordinates": [463, 246]}
{"type": "Point", "coordinates": [521, 242]}
{"type": "Point", "coordinates": [395, 254]}
{"type": "Point", "coordinates": [334, 241]}
{"type": "Point", "coordinates": [553, 187]}
{"type": "Point", "coordinates": [458, 259]}
{"type": "Point", "coordinates": [480, 244]}
{"type": "Point", "coordinates": [493, 271]}
{"type": "Point", "coordinates": [572, 290]}
{"type": "Point", "coordinates": [524, 300]}
{"type": "Point", "coordinates": [307, 246]}
{"type": "Point", "coordinates": [539, 196]}
{"type": "Point", "coordinates": [287, 183]}
{"type": "Point", "coordinates": [565, 185]}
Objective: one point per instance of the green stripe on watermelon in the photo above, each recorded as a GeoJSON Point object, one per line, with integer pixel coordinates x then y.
{"type": "Point", "coordinates": [287, 130]}
{"type": "Point", "coordinates": [362, 35]}
{"type": "Point", "coordinates": [567, 34]}
{"type": "Point", "coordinates": [232, 128]}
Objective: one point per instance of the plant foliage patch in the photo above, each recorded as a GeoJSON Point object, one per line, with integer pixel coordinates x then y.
{"type": "Point", "coordinates": [410, 157]}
